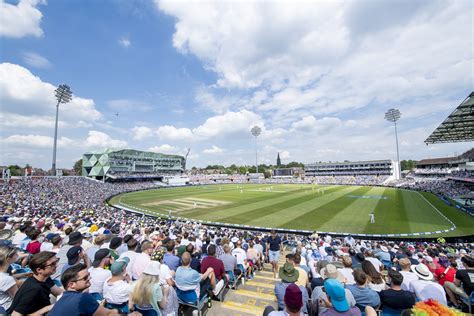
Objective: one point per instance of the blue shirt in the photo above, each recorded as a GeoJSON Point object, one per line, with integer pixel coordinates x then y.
{"type": "Point", "coordinates": [75, 303]}
{"type": "Point", "coordinates": [171, 261]}
{"type": "Point", "coordinates": [364, 296]}
{"type": "Point", "coordinates": [274, 243]}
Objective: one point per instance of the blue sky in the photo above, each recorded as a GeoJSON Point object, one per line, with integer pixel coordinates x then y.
{"type": "Point", "coordinates": [316, 76]}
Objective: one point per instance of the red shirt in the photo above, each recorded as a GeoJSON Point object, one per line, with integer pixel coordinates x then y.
{"type": "Point", "coordinates": [214, 263]}
{"type": "Point", "coordinates": [449, 276]}
{"type": "Point", "coordinates": [33, 247]}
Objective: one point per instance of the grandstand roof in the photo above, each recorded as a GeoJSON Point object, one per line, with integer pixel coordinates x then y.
{"type": "Point", "coordinates": [435, 161]}
{"type": "Point", "coordinates": [458, 126]}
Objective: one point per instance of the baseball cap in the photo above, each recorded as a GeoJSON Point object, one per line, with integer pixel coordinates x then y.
{"type": "Point", "coordinates": [75, 237]}
{"type": "Point", "coordinates": [335, 290]}
{"type": "Point", "coordinates": [73, 254]}
{"type": "Point", "coordinates": [99, 255]}
{"type": "Point", "coordinates": [117, 267]}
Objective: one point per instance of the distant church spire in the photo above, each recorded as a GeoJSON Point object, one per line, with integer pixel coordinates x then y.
{"type": "Point", "coordinates": [278, 160]}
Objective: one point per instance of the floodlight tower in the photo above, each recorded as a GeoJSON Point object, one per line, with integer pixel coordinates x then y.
{"type": "Point", "coordinates": [393, 115]}
{"type": "Point", "coordinates": [256, 130]}
{"type": "Point", "coordinates": [63, 95]}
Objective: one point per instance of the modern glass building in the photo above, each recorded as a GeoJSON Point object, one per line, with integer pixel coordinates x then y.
{"type": "Point", "coordinates": [129, 163]}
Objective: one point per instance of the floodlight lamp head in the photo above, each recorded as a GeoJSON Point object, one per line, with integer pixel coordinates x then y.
{"type": "Point", "coordinates": [63, 94]}
{"type": "Point", "coordinates": [393, 115]}
{"type": "Point", "coordinates": [256, 130]}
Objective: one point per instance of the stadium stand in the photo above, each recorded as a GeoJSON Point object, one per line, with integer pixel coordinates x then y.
{"type": "Point", "coordinates": [58, 232]}
{"type": "Point", "coordinates": [131, 164]}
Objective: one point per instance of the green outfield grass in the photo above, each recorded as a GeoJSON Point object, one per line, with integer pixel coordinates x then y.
{"type": "Point", "coordinates": [338, 209]}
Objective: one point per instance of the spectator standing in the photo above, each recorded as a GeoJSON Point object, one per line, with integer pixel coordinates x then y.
{"type": "Point", "coordinates": [274, 246]}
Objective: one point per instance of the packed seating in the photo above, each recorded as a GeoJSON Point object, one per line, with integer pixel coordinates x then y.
{"type": "Point", "coordinates": [59, 239]}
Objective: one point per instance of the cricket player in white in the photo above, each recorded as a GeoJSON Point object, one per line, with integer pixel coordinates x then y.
{"type": "Point", "coordinates": [372, 218]}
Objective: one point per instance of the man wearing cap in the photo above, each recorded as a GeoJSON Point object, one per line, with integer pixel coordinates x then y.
{"type": "Point", "coordinates": [425, 288]}
{"type": "Point", "coordinates": [74, 257]}
{"type": "Point", "coordinates": [288, 275]}
{"type": "Point", "coordinates": [117, 288]}
{"type": "Point", "coordinates": [75, 239]}
{"type": "Point", "coordinates": [293, 300]}
{"type": "Point", "coordinates": [274, 246]}
{"type": "Point", "coordinates": [98, 273]}
{"type": "Point", "coordinates": [336, 300]}
{"type": "Point", "coordinates": [319, 296]}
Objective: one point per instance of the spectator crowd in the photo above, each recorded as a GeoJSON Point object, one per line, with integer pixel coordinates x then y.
{"type": "Point", "coordinates": [63, 251]}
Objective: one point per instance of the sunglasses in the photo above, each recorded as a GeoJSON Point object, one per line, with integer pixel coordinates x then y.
{"type": "Point", "coordinates": [55, 263]}
{"type": "Point", "coordinates": [85, 278]}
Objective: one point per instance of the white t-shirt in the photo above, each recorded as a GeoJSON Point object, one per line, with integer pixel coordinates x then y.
{"type": "Point", "coordinates": [6, 282]}
{"type": "Point", "coordinates": [427, 289]}
{"type": "Point", "coordinates": [240, 255]}
{"type": "Point", "coordinates": [117, 292]}
{"type": "Point", "coordinates": [17, 239]}
{"type": "Point", "coordinates": [165, 273]}
{"type": "Point", "coordinates": [140, 263]}
{"type": "Point", "coordinates": [98, 277]}
{"type": "Point", "coordinates": [408, 277]}
{"type": "Point", "coordinates": [347, 273]}
{"type": "Point", "coordinates": [130, 255]}
{"type": "Point", "coordinates": [375, 262]}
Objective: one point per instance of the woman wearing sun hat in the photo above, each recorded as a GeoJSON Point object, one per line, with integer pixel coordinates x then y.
{"type": "Point", "coordinates": [148, 291]}
{"type": "Point", "coordinates": [166, 279]}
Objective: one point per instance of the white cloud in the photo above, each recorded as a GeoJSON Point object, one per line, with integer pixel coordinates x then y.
{"type": "Point", "coordinates": [213, 150]}
{"type": "Point", "coordinates": [35, 60]}
{"type": "Point", "coordinates": [99, 140]}
{"type": "Point", "coordinates": [169, 132]}
{"type": "Point", "coordinates": [124, 41]}
{"type": "Point", "coordinates": [36, 141]}
{"type": "Point", "coordinates": [285, 154]}
{"type": "Point", "coordinates": [26, 94]}
{"type": "Point", "coordinates": [141, 132]}
{"type": "Point", "coordinates": [33, 121]}
{"type": "Point", "coordinates": [20, 20]}
{"type": "Point", "coordinates": [165, 149]}
{"type": "Point", "coordinates": [126, 105]}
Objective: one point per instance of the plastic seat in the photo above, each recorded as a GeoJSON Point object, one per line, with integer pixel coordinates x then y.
{"type": "Point", "coordinates": [469, 302]}
{"type": "Point", "coordinates": [199, 304]}
{"type": "Point", "coordinates": [388, 311]}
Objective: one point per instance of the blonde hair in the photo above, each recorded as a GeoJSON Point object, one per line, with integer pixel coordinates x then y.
{"type": "Point", "coordinates": [5, 254]}
{"type": "Point", "coordinates": [142, 292]}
